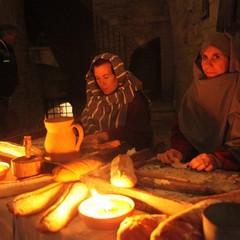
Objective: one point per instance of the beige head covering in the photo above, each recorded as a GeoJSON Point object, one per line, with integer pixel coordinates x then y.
{"type": "Point", "coordinates": [209, 102]}
{"type": "Point", "coordinates": [104, 112]}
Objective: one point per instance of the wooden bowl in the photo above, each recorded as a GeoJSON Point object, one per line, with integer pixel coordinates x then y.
{"type": "Point", "coordinates": [26, 167]}
{"type": "Point", "coordinates": [4, 167]}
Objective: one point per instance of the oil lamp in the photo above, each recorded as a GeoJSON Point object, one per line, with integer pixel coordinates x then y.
{"type": "Point", "coordinates": [105, 211]}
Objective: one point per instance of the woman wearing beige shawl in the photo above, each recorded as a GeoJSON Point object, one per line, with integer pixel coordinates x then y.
{"type": "Point", "coordinates": [208, 129]}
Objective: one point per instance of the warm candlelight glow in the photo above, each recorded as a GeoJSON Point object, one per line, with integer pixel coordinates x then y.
{"type": "Point", "coordinates": [4, 167]}
{"type": "Point", "coordinates": [108, 210]}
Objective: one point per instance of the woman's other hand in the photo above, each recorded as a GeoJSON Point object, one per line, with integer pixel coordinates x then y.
{"type": "Point", "coordinates": [170, 156]}
{"type": "Point", "coordinates": [205, 162]}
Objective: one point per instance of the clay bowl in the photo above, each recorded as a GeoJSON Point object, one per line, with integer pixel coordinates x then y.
{"type": "Point", "coordinates": [106, 222]}
{"type": "Point", "coordinates": [4, 168]}
{"type": "Point", "coordinates": [222, 221]}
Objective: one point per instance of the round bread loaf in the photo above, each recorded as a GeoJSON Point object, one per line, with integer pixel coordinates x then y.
{"type": "Point", "coordinates": [139, 227]}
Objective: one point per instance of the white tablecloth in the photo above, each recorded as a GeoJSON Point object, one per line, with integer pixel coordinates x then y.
{"type": "Point", "coordinates": [76, 230]}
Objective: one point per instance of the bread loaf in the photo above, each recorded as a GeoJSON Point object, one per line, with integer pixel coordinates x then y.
{"type": "Point", "coordinates": [15, 187]}
{"type": "Point", "coordinates": [185, 225]}
{"type": "Point", "coordinates": [72, 171]}
{"type": "Point", "coordinates": [106, 145]}
{"type": "Point", "coordinates": [139, 227]}
{"type": "Point", "coordinates": [36, 201]}
{"type": "Point", "coordinates": [63, 211]}
{"type": "Point", "coordinates": [122, 172]}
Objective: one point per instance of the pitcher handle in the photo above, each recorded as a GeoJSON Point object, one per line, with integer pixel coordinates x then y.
{"type": "Point", "coordinates": [80, 135]}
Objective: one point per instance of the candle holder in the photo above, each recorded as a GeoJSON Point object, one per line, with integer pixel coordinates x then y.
{"type": "Point", "coordinates": [106, 211]}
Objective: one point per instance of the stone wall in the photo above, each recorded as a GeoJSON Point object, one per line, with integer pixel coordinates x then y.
{"type": "Point", "coordinates": [178, 23]}
{"type": "Point", "coordinates": [188, 29]}
{"type": "Point", "coordinates": [141, 21]}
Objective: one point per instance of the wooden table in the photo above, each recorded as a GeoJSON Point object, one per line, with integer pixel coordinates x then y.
{"type": "Point", "coordinates": [171, 183]}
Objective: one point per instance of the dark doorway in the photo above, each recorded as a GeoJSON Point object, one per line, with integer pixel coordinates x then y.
{"type": "Point", "coordinates": [68, 30]}
{"type": "Point", "coordinates": [146, 65]}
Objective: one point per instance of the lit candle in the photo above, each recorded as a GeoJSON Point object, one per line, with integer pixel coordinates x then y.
{"type": "Point", "coordinates": [106, 206]}
{"type": "Point", "coordinates": [105, 211]}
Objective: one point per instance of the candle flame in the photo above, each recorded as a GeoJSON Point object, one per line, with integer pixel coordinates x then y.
{"type": "Point", "coordinates": [102, 201]}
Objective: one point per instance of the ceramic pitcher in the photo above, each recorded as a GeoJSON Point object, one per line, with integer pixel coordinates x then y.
{"type": "Point", "coordinates": [63, 138]}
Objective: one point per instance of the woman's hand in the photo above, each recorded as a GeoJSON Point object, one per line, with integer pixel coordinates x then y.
{"type": "Point", "coordinates": [170, 156]}
{"type": "Point", "coordinates": [97, 137]}
{"type": "Point", "coordinates": [204, 162]}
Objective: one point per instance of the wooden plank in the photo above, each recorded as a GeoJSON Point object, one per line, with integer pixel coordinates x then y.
{"type": "Point", "coordinates": [178, 186]}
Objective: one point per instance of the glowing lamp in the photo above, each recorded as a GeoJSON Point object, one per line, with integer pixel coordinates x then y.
{"type": "Point", "coordinates": [105, 211]}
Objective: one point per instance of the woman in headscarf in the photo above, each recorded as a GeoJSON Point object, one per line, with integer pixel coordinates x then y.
{"type": "Point", "coordinates": [116, 107]}
{"type": "Point", "coordinates": [207, 132]}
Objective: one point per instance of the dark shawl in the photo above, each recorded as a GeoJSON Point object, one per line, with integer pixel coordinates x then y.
{"type": "Point", "coordinates": [209, 116]}
{"type": "Point", "coordinates": [103, 112]}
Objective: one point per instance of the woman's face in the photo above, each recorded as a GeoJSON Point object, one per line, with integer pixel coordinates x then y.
{"type": "Point", "coordinates": [214, 62]}
{"type": "Point", "coordinates": [105, 78]}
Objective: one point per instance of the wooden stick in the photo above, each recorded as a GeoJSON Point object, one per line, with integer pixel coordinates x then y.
{"type": "Point", "coordinates": [178, 186]}
{"type": "Point", "coordinates": [152, 174]}
{"type": "Point", "coordinates": [27, 143]}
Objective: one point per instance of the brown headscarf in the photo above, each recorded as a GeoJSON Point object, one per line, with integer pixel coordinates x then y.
{"type": "Point", "coordinates": [209, 116]}
{"type": "Point", "coordinates": [103, 112]}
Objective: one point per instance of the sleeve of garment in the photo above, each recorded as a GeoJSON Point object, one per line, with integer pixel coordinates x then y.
{"type": "Point", "coordinates": [137, 130]}
{"type": "Point", "coordinates": [227, 159]}
{"type": "Point", "coordinates": [230, 155]}
{"type": "Point", "coordinates": [180, 143]}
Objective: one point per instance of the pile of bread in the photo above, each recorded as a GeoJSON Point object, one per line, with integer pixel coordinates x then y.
{"type": "Point", "coordinates": [67, 192]}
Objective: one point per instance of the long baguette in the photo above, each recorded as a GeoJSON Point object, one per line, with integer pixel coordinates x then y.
{"type": "Point", "coordinates": [62, 212]}
{"type": "Point", "coordinates": [230, 196]}
{"type": "Point", "coordinates": [72, 171]}
{"type": "Point", "coordinates": [187, 224]}
{"type": "Point", "coordinates": [36, 201]}
{"type": "Point", "coordinates": [10, 188]}
{"type": "Point", "coordinates": [184, 225]}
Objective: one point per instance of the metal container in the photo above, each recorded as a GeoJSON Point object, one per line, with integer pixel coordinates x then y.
{"type": "Point", "coordinates": [221, 221]}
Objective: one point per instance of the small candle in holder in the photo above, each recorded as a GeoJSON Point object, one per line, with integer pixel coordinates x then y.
{"type": "Point", "coordinates": [105, 211]}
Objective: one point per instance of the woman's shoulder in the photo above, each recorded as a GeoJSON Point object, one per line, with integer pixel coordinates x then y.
{"type": "Point", "coordinates": [140, 100]}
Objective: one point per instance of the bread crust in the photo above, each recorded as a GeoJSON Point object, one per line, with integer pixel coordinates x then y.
{"type": "Point", "coordinates": [188, 223]}
{"type": "Point", "coordinates": [36, 201]}
{"type": "Point", "coordinates": [139, 227]}
{"type": "Point", "coordinates": [63, 211]}
{"type": "Point", "coordinates": [72, 171]}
